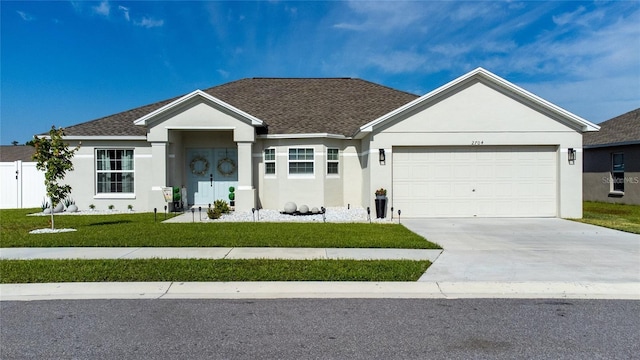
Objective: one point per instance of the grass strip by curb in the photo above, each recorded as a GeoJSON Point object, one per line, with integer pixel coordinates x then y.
{"type": "Point", "coordinates": [111, 270]}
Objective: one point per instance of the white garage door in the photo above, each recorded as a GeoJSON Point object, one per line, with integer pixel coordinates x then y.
{"type": "Point", "coordinates": [501, 181]}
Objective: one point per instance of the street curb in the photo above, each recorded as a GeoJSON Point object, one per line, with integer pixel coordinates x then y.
{"type": "Point", "coordinates": [319, 290]}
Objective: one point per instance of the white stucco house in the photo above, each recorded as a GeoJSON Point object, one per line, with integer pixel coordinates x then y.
{"type": "Point", "coordinates": [477, 146]}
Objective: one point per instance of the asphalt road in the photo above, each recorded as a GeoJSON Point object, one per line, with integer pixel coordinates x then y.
{"type": "Point", "coordinates": [320, 329]}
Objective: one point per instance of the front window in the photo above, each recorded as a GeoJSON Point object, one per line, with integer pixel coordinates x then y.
{"type": "Point", "coordinates": [270, 161]}
{"type": "Point", "coordinates": [332, 161]}
{"type": "Point", "coordinates": [300, 161]}
{"type": "Point", "coordinates": [114, 171]}
{"type": "Point", "coordinates": [617, 172]}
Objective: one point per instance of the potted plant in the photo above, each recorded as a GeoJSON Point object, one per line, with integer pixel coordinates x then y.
{"type": "Point", "coordinates": [381, 203]}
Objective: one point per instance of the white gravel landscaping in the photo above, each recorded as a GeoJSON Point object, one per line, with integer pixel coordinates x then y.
{"type": "Point", "coordinates": [50, 231]}
{"type": "Point", "coordinates": [332, 214]}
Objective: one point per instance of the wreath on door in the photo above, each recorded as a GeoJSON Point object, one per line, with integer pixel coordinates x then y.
{"type": "Point", "coordinates": [226, 167]}
{"type": "Point", "coordinates": [199, 166]}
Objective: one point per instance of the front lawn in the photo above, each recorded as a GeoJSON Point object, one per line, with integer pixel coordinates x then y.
{"type": "Point", "coordinates": [47, 271]}
{"type": "Point", "coordinates": [140, 230]}
{"type": "Point", "coordinates": [614, 216]}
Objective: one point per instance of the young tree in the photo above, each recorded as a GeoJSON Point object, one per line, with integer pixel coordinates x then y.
{"type": "Point", "coordinates": [53, 156]}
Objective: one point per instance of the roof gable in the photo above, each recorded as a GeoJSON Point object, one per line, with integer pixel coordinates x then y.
{"type": "Point", "coordinates": [197, 96]}
{"type": "Point", "coordinates": [490, 79]}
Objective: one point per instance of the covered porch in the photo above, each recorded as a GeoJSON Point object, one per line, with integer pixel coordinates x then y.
{"type": "Point", "coordinates": [205, 146]}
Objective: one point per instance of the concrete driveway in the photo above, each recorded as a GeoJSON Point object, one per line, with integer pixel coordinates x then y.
{"type": "Point", "coordinates": [528, 249]}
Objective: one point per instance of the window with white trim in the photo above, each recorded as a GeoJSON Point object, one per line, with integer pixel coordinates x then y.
{"type": "Point", "coordinates": [269, 161]}
{"type": "Point", "coordinates": [617, 172]}
{"type": "Point", "coordinates": [114, 171]}
{"type": "Point", "coordinates": [301, 161]}
{"type": "Point", "coordinates": [333, 161]}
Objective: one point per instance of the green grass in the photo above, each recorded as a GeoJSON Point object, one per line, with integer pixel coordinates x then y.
{"type": "Point", "coordinates": [140, 230]}
{"type": "Point", "coordinates": [47, 271]}
{"type": "Point", "coordinates": [614, 216]}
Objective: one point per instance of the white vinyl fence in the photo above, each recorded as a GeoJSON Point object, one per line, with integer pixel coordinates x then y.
{"type": "Point", "coordinates": [21, 185]}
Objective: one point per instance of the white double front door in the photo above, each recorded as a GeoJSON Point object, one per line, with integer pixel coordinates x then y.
{"type": "Point", "coordinates": [210, 174]}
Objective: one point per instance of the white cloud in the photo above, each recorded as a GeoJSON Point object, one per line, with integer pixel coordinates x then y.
{"type": "Point", "coordinates": [223, 73]}
{"type": "Point", "coordinates": [383, 16]}
{"type": "Point", "coordinates": [25, 16]}
{"type": "Point", "coordinates": [125, 12]}
{"type": "Point", "coordinates": [103, 9]}
{"type": "Point", "coordinates": [149, 22]}
{"type": "Point", "coordinates": [568, 18]}
{"type": "Point", "coordinates": [399, 61]}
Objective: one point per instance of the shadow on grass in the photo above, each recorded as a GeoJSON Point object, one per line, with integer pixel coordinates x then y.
{"type": "Point", "coordinates": [110, 222]}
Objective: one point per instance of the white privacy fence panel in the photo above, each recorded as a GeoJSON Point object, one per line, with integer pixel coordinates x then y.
{"type": "Point", "coordinates": [21, 185]}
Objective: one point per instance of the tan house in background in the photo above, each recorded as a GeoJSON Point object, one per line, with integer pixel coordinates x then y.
{"type": "Point", "coordinates": [477, 146]}
{"type": "Point", "coordinates": [612, 161]}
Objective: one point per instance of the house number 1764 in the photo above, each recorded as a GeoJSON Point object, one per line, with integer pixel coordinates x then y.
{"type": "Point", "coordinates": [477, 142]}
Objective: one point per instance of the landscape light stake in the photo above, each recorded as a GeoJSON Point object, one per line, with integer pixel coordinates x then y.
{"type": "Point", "coordinates": [259, 212]}
{"type": "Point", "coordinates": [193, 216]}
{"type": "Point", "coordinates": [155, 214]}
{"type": "Point", "coordinates": [324, 218]}
{"type": "Point", "coordinates": [200, 212]}
{"type": "Point", "coordinates": [392, 213]}
{"type": "Point", "coordinates": [253, 212]}
{"type": "Point", "coordinates": [369, 214]}
{"type": "Point", "coordinates": [165, 212]}
{"type": "Point", "coordinates": [399, 212]}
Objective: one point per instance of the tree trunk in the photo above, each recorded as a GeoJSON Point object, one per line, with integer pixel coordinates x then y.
{"type": "Point", "coordinates": [52, 207]}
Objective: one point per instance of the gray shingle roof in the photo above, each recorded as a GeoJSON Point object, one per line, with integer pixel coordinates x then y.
{"type": "Point", "coordinates": [286, 105]}
{"type": "Point", "coordinates": [620, 129]}
{"type": "Point", "coordinates": [10, 153]}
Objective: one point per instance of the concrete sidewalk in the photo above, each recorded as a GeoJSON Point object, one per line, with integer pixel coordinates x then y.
{"type": "Point", "coordinates": [217, 253]}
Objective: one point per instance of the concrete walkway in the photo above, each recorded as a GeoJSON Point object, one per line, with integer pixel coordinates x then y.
{"type": "Point", "coordinates": [217, 253]}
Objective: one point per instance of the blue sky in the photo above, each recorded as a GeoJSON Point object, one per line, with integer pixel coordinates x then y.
{"type": "Point", "coordinates": [68, 62]}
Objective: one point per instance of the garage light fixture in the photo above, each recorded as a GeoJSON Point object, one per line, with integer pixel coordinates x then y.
{"type": "Point", "coordinates": [382, 156]}
{"type": "Point", "coordinates": [571, 153]}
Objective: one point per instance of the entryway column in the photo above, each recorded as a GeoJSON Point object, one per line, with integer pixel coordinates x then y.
{"type": "Point", "coordinates": [246, 193]}
{"type": "Point", "coordinates": [159, 174]}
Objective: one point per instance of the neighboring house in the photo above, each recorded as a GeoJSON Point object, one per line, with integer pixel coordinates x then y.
{"type": "Point", "coordinates": [477, 146]}
{"type": "Point", "coordinates": [612, 161]}
{"type": "Point", "coordinates": [21, 184]}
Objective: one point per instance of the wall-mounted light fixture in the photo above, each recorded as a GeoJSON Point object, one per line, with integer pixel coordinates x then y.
{"type": "Point", "coordinates": [571, 154]}
{"type": "Point", "coordinates": [382, 157]}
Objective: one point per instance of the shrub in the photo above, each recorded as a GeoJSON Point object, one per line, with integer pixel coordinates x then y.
{"type": "Point", "coordinates": [92, 206]}
{"type": "Point", "coordinates": [214, 213]}
{"type": "Point", "coordinates": [222, 205]}
{"type": "Point", "coordinates": [111, 207]}
{"type": "Point", "coordinates": [68, 202]}
{"type": "Point", "coordinates": [219, 207]}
